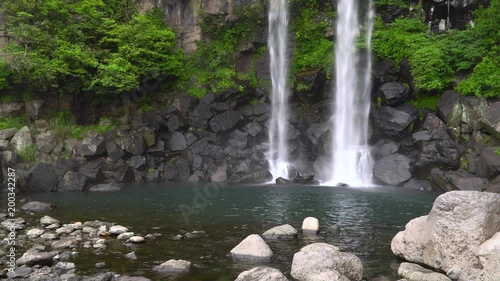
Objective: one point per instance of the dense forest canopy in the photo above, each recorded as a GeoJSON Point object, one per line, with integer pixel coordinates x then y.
{"type": "Point", "coordinates": [106, 47]}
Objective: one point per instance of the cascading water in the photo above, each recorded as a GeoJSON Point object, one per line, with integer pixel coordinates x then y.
{"type": "Point", "coordinates": [351, 162]}
{"type": "Point", "coordinates": [277, 45]}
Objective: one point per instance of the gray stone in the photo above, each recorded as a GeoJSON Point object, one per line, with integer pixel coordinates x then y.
{"type": "Point", "coordinates": [16, 224]}
{"type": "Point", "coordinates": [45, 142]}
{"type": "Point", "coordinates": [11, 109]}
{"type": "Point", "coordinates": [418, 184]}
{"type": "Point", "coordinates": [4, 145]}
{"type": "Point", "coordinates": [449, 237]}
{"type": "Point", "coordinates": [393, 93]}
{"type": "Point", "coordinates": [131, 256]}
{"type": "Point", "coordinates": [31, 258]}
{"type": "Point", "coordinates": [115, 153]}
{"type": "Point", "coordinates": [224, 121]}
{"type": "Point", "coordinates": [88, 147]}
{"type": "Point", "coordinates": [106, 187]}
{"type": "Point", "coordinates": [7, 133]}
{"type": "Point", "coordinates": [22, 139]}
{"type": "Point", "coordinates": [173, 266]}
{"type": "Point", "coordinates": [488, 163]}
{"type": "Point", "coordinates": [133, 143]}
{"type": "Point", "coordinates": [37, 207]}
{"type": "Point", "coordinates": [285, 231]}
{"type": "Point", "coordinates": [72, 181]}
{"type": "Point", "coordinates": [489, 257]}
{"type": "Point", "coordinates": [320, 261]}
{"type": "Point", "coordinates": [261, 274]}
{"type": "Point", "coordinates": [252, 248]}
{"type": "Point", "coordinates": [47, 220]}
{"type": "Point", "coordinates": [393, 169]}
{"type": "Point", "coordinates": [414, 272]}
{"type": "Point", "coordinates": [310, 225]}
{"type": "Point", "coordinates": [220, 175]}
{"type": "Point", "coordinates": [177, 142]}
{"type": "Point", "coordinates": [394, 122]}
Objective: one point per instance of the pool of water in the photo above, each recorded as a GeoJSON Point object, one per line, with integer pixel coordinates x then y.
{"type": "Point", "coordinates": [369, 219]}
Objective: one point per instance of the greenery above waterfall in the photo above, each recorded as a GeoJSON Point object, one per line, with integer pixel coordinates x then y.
{"type": "Point", "coordinates": [106, 47]}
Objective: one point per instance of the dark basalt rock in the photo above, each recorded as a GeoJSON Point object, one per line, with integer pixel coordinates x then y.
{"type": "Point", "coordinates": [393, 93]}
{"type": "Point", "coordinates": [238, 139]}
{"type": "Point", "coordinates": [133, 143]}
{"type": "Point", "coordinates": [138, 162]}
{"type": "Point", "coordinates": [93, 169]}
{"type": "Point", "coordinates": [114, 152]}
{"type": "Point", "coordinates": [177, 142]}
{"type": "Point", "coordinates": [394, 122]}
{"type": "Point", "coordinates": [89, 147]}
{"type": "Point", "coordinates": [38, 207]}
{"type": "Point", "coordinates": [72, 181]}
{"type": "Point", "coordinates": [488, 163]}
{"type": "Point", "coordinates": [42, 177]}
{"type": "Point", "coordinates": [200, 116]}
{"type": "Point", "coordinates": [393, 169]}
{"type": "Point", "coordinates": [281, 181]}
{"type": "Point", "coordinates": [177, 170]}
{"type": "Point", "coordinates": [224, 121]}
{"type": "Point", "coordinates": [175, 122]}
{"type": "Point", "coordinates": [385, 148]}
{"type": "Point", "coordinates": [449, 107]}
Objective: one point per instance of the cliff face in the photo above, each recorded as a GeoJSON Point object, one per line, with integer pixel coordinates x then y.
{"type": "Point", "coordinates": [183, 15]}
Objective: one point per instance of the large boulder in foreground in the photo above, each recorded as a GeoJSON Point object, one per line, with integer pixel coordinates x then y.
{"type": "Point", "coordinates": [324, 262]}
{"type": "Point", "coordinates": [450, 236]}
{"type": "Point", "coordinates": [262, 273]}
{"type": "Point", "coordinates": [489, 257]}
{"type": "Point", "coordinates": [415, 272]}
{"type": "Point", "coordinates": [252, 248]}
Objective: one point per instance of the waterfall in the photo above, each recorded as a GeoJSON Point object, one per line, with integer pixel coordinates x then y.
{"type": "Point", "coordinates": [351, 162]}
{"type": "Point", "coordinates": [277, 45]}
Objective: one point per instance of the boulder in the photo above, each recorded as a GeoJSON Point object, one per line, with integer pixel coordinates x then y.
{"type": "Point", "coordinates": [114, 152]}
{"type": "Point", "coordinates": [238, 139]}
{"type": "Point", "coordinates": [42, 177]}
{"type": "Point", "coordinates": [414, 272]}
{"type": "Point", "coordinates": [252, 248]}
{"type": "Point", "coordinates": [285, 231]}
{"type": "Point", "coordinates": [393, 122]}
{"type": "Point", "coordinates": [224, 121]}
{"type": "Point", "coordinates": [31, 258]}
{"type": "Point", "coordinates": [253, 128]}
{"type": "Point", "coordinates": [489, 257]}
{"type": "Point", "coordinates": [393, 93]}
{"type": "Point", "coordinates": [11, 109]}
{"type": "Point", "coordinates": [72, 181]}
{"type": "Point", "coordinates": [117, 230]}
{"type": "Point", "coordinates": [310, 225]}
{"type": "Point", "coordinates": [34, 109]}
{"type": "Point", "coordinates": [262, 274]}
{"type": "Point", "coordinates": [22, 139]}
{"type": "Point", "coordinates": [385, 148]}
{"type": "Point", "coordinates": [220, 175]}
{"type": "Point", "coordinates": [7, 133]}
{"type": "Point", "coordinates": [449, 108]}
{"type": "Point", "coordinates": [89, 147]}
{"type": "Point", "coordinates": [200, 116]}
{"type": "Point", "coordinates": [449, 237]}
{"type": "Point", "coordinates": [461, 180]}
{"type": "Point", "coordinates": [17, 224]}
{"type": "Point", "coordinates": [47, 220]}
{"type": "Point", "coordinates": [176, 169]}
{"type": "Point", "coordinates": [45, 142]}
{"type": "Point", "coordinates": [133, 143]}
{"type": "Point", "coordinates": [320, 261]}
{"type": "Point", "coordinates": [257, 176]}
{"type": "Point", "coordinates": [418, 185]}
{"type": "Point", "coordinates": [92, 169]}
{"type": "Point", "coordinates": [4, 145]}
{"type": "Point", "coordinates": [177, 142]}
{"type": "Point", "coordinates": [173, 266]}
{"type": "Point", "coordinates": [393, 169]}
{"type": "Point", "coordinates": [488, 163]}
{"type": "Point", "coordinates": [138, 162]}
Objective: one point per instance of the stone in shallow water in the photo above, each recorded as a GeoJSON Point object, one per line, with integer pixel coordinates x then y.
{"type": "Point", "coordinates": [252, 248]}
{"type": "Point", "coordinates": [137, 239]}
{"type": "Point", "coordinates": [415, 272]}
{"type": "Point", "coordinates": [285, 231]}
{"type": "Point", "coordinates": [117, 230]}
{"type": "Point", "coordinates": [173, 266]}
{"type": "Point", "coordinates": [262, 274]}
{"type": "Point", "coordinates": [47, 220]}
{"type": "Point", "coordinates": [65, 265]}
{"type": "Point", "coordinates": [310, 225]}
{"type": "Point", "coordinates": [131, 256]}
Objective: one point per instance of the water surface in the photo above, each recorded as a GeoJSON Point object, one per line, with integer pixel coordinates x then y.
{"type": "Point", "coordinates": [369, 218]}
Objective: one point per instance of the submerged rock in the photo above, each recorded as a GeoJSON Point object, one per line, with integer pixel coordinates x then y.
{"type": "Point", "coordinates": [262, 274]}
{"type": "Point", "coordinates": [324, 262]}
{"type": "Point", "coordinates": [252, 248]}
{"type": "Point", "coordinates": [173, 266]}
{"type": "Point", "coordinates": [285, 231]}
{"type": "Point", "coordinates": [415, 272]}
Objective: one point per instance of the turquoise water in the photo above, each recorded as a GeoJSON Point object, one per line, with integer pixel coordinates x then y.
{"type": "Point", "coordinates": [369, 218]}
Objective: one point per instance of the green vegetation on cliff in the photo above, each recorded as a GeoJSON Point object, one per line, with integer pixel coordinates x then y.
{"type": "Point", "coordinates": [102, 46]}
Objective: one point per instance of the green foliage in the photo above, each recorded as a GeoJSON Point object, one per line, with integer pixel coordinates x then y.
{"type": "Point", "coordinates": [427, 101]}
{"type": "Point", "coordinates": [12, 122]}
{"type": "Point", "coordinates": [430, 68]}
{"type": "Point", "coordinates": [88, 45]}
{"type": "Point", "coordinates": [312, 49]}
{"type": "Point", "coordinates": [463, 48]}
{"type": "Point", "coordinates": [485, 79]}
{"type": "Point", "coordinates": [28, 154]}
{"type": "Point", "coordinates": [211, 68]}
{"type": "Point", "coordinates": [4, 74]}
{"type": "Point", "coordinates": [397, 3]}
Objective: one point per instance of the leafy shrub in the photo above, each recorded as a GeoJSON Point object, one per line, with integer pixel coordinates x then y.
{"type": "Point", "coordinates": [28, 154]}
{"type": "Point", "coordinates": [13, 122]}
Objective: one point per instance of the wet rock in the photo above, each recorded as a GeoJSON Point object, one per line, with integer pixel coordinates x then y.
{"type": "Point", "coordinates": [109, 187]}
{"type": "Point", "coordinates": [282, 181]}
{"type": "Point", "coordinates": [393, 93]}
{"type": "Point", "coordinates": [132, 278]}
{"type": "Point", "coordinates": [31, 258]}
{"type": "Point", "coordinates": [200, 116]}
{"type": "Point", "coordinates": [177, 142]}
{"type": "Point", "coordinates": [394, 122]}
{"type": "Point", "coordinates": [253, 128]}
{"type": "Point", "coordinates": [64, 244]}
{"type": "Point", "coordinates": [285, 231]}
{"type": "Point", "coordinates": [261, 273]}
{"type": "Point", "coordinates": [114, 152]}
{"type": "Point", "coordinates": [117, 230]}
{"type": "Point", "coordinates": [133, 143]}
{"type": "Point", "coordinates": [137, 239]}
{"type": "Point", "coordinates": [310, 225]}
{"type": "Point", "coordinates": [415, 272]}
{"type": "Point", "coordinates": [224, 121]}
{"type": "Point", "coordinates": [173, 266]}
{"type": "Point", "coordinates": [488, 163]}
{"type": "Point", "coordinates": [385, 148]}
{"type": "Point", "coordinates": [238, 139]}
{"type": "Point", "coordinates": [418, 184]}
{"type": "Point", "coordinates": [461, 180]}
{"type": "Point", "coordinates": [138, 162]}
{"type": "Point", "coordinates": [35, 232]}
{"type": "Point", "coordinates": [393, 169]}
{"type": "Point", "coordinates": [131, 256]}
{"type": "Point", "coordinates": [17, 224]}
{"type": "Point", "coordinates": [320, 261]}
{"type": "Point", "coordinates": [252, 248]}
{"type": "Point", "coordinates": [19, 272]}
{"type": "Point", "coordinates": [72, 181]}
{"type": "Point", "coordinates": [65, 265]}
{"type": "Point", "coordinates": [37, 207]}
{"type": "Point", "coordinates": [220, 175]}
{"type": "Point", "coordinates": [88, 147]}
